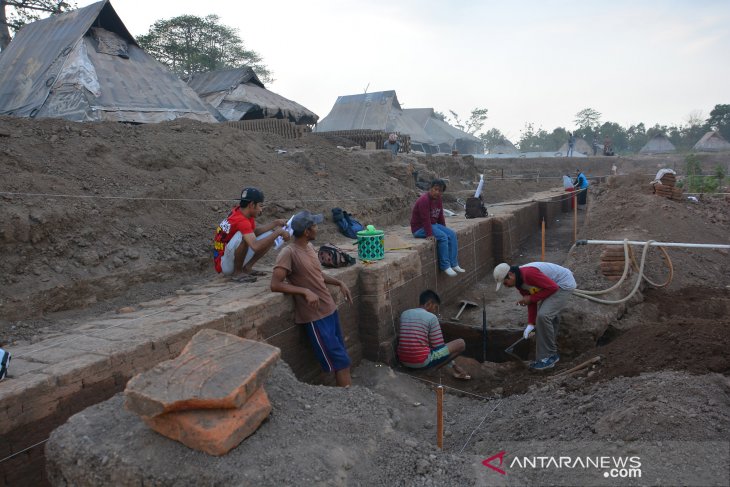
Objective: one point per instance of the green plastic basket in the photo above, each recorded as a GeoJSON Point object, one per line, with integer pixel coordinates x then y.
{"type": "Point", "coordinates": [370, 244]}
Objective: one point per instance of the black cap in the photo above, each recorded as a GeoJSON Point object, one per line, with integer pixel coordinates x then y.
{"type": "Point", "coordinates": [251, 194]}
{"type": "Point", "coordinates": [303, 220]}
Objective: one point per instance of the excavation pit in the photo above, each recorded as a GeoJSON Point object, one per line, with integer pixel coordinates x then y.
{"type": "Point", "coordinates": [497, 341]}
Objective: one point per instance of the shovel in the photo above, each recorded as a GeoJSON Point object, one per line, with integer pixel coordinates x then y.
{"type": "Point", "coordinates": [510, 351]}
{"type": "Point", "coordinates": [464, 304]}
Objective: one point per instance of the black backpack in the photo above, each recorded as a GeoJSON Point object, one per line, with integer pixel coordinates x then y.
{"type": "Point", "coordinates": [475, 208]}
{"type": "Point", "coordinates": [347, 225]}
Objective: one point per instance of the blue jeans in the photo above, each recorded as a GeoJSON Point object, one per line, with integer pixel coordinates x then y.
{"type": "Point", "coordinates": [446, 244]}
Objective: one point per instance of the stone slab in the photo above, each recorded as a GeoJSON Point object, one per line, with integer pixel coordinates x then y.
{"type": "Point", "coordinates": [214, 431]}
{"type": "Point", "coordinates": [215, 370]}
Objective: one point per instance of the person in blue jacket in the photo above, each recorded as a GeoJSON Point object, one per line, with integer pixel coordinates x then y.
{"type": "Point", "coordinates": [581, 185]}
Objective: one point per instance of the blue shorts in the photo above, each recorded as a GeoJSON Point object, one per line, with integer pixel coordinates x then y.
{"type": "Point", "coordinates": [437, 356]}
{"type": "Point", "coordinates": [327, 342]}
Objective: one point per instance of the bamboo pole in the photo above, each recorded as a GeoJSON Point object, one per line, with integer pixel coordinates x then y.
{"type": "Point", "coordinates": [575, 218]}
{"type": "Point", "coordinates": [440, 417]}
{"type": "Point", "coordinates": [543, 239]}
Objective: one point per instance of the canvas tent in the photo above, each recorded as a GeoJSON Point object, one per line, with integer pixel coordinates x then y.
{"type": "Point", "coordinates": [712, 142]}
{"type": "Point", "coordinates": [440, 133]}
{"type": "Point", "coordinates": [238, 94]}
{"type": "Point", "coordinates": [504, 147]}
{"type": "Point", "coordinates": [581, 146]}
{"type": "Point", "coordinates": [85, 66]}
{"type": "Point", "coordinates": [659, 144]}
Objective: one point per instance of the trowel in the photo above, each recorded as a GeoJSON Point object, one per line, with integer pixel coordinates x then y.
{"type": "Point", "coordinates": [510, 351]}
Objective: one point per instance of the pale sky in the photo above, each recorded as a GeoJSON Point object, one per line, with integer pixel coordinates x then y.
{"type": "Point", "coordinates": [651, 61]}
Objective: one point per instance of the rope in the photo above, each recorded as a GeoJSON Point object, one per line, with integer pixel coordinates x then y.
{"type": "Point", "coordinates": [590, 294]}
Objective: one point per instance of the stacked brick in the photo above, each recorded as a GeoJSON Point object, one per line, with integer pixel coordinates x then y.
{"type": "Point", "coordinates": [210, 397]}
{"type": "Point", "coordinates": [666, 187]}
{"type": "Point", "coordinates": [281, 127]}
{"type": "Point", "coordinates": [613, 262]}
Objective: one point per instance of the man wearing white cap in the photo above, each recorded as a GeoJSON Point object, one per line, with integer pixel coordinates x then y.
{"type": "Point", "coordinates": [545, 289]}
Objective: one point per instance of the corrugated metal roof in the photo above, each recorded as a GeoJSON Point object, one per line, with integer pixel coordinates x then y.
{"type": "Point", "coordinates": [52, 68]}
{"type": "Point", "coordinates": [239, 94]}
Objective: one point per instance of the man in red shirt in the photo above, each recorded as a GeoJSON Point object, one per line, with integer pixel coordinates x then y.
{"type": "Point", "coordinates": [427, 221]}
{"type": "Point", "coordinates": [545, 289]}
{"type": "Point", "coordinates": [238, 234]}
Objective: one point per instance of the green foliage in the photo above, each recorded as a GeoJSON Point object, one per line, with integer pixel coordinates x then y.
{"type": "Point", "coordinates": [588, 118]}
{"type": "Point", "coordinates": [695, 182]}
{"type": "Point", "coordinates": [473, 124]}
{"type": "Point", "coordinates": [14, 14]}
{"type": "Point", "coordinates": [720, 120]}
{"type": "Point", "coordinates": [188, 44]}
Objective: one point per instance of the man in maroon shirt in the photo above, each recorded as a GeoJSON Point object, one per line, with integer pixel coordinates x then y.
{"type": "Point", "coordinates": [427, 221]}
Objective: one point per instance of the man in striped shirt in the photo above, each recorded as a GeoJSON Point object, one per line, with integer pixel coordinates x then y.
{"type": "Point", "coordinates": [421, 343]}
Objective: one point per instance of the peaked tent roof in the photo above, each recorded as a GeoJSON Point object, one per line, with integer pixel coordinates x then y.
{"type": "Point", "coordinates": [712, 142]}
{"type": "Point", "coordinates": [504, 147]}
{"type": "Point", "coordinates": [84, 65]}
{"type": "Point", "coordinates": [441, 133]}
{"type": "Point", "coordinates": [659, 144]}
{"type": "Point", "coordinates": [372, 111]}
{"type": "Point", "coordinates": [580, 146]}
{"type": "Point", "coordinates": [239, 94]}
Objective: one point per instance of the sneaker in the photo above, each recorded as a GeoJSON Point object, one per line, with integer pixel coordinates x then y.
{"type": "Point", "coordinates": [4, 361]}
{"type": "Point", "coordinates": [546, 363]}
{"type": "Point", "coordinates": [458, 269]}
{"type": "Point", "coordinates": [450, 272]}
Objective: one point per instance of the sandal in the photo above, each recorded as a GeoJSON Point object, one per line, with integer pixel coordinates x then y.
{"type": "Point", "coordinates": [256, 273]}
{"type": "Point", "coordinates": [244, 278]}
{"type": "Point", "coordinates": [462, 376]}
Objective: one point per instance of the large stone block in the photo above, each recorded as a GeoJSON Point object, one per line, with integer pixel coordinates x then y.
{"type": "Point", "coordinates": [214, 431]}
{"type": "Point", "coordinates": [215, 370]}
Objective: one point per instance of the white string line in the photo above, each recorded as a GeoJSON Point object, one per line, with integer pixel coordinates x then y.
{"type": "Point", "coordinates": [479, 425]}
{"type": "Point", "coordinates": [23, 450]}
{"type": "Point", "coordinates": [143, 198]}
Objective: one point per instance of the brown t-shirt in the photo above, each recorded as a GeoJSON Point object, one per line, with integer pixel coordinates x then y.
{"type": "Point", "coordinates": [303, 270]}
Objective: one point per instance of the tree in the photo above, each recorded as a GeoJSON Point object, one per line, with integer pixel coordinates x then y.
{"type": "Point", "coordinates": [587, 118]}
{"type": "Point", "coordinates": [439, 115]}
{"type": "Point", "coordinates": [14, 14]}
{"type": "Point", "coordinates": [474, 123]}
{"type": "Point", "coordinates": [492, 138]}
{"type": "Point", "coordinates": [720, 120]}
{"type": "Point", "coordinates": [188, 44]}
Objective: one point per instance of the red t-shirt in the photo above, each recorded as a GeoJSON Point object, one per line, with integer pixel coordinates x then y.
{"type": "Point", "coordinates": [426, 212]}
{"type": "Point", "coordinates": [234, 222]}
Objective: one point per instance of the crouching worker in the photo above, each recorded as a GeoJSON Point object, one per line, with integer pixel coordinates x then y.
{"type": "Point", "coordinates": [545, 289]}
{"type": "Point", "coordinates": [421, 343]}
{"type": "Point", "coordinates": [238, 243]}
{"type": "Point", "coordinates": [297, 272]}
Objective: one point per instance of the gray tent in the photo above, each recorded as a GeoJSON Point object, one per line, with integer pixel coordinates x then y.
{"type": "Point", "coordinates": [84, 65]}
{"type": "Point", "coordinates": [581, 146]}
{"type": "Point", "coordinates": [504, 147]}
{"type": "Point", "coordinates": [375, 111]}
{"type": "Point", "coordinates": [659, 144]}
{"type": "Point", "coordinates": [238, 94]}
{"type": "Point", "coordinates": [712, 142]}
{"type": "Point", "coordinates": [442, 134]}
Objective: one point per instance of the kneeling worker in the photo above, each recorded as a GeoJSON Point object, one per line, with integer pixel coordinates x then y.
{"type": "Point", "coordinates": [421, 343]}
{"type": "Point", "coordinates": [545, 289]}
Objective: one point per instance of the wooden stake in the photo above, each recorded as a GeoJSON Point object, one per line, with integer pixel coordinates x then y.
{"type": "Point", "coordinates": [543, 239]}
{"type": "Point", "coordinates": [440, 417]}
{"type": "Point", "coordinates": [575, 218]}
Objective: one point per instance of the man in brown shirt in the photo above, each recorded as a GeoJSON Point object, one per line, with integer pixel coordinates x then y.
{"type": "Point", "coordinates": [297, 272]}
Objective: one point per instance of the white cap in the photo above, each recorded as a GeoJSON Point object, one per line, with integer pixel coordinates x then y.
{"type": "Point", "coordinates": [500, 272]}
